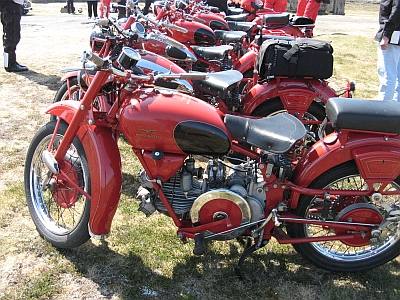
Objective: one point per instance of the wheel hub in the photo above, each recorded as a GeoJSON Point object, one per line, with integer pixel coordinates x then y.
{"type": "Point", "coordinates": [358, 213]}
{"type": "Point", "coordinates": [63, 192]}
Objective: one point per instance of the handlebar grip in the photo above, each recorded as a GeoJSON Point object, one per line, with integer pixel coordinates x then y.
{"type": "Point", "coordinates": [94, 58]}
{"type": "Point", "coordinates": [184, 76]}
{"type": "Point", "coordinates": [194, 76]}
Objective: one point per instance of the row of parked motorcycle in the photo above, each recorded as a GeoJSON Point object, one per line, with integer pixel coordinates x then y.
{"type": "Point", "coordinates": [238, 132]}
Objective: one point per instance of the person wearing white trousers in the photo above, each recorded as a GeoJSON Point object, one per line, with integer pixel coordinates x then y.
{"type": "Point", "coordinates": [388, 37]}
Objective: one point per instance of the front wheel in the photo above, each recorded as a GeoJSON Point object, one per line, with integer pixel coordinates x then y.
{"type": "Point", "coordinates": [60, 212]}
{"type": "Point", "coordinates": [357, 254]}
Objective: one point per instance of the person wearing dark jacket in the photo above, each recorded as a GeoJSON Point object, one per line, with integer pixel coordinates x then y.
{"type": "Point", "coordinates": [11, 11]}
{"type": "Point", "coordinates": [388, 37]}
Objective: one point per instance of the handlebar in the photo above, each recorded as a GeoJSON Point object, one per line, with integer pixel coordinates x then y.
{"type": "Point", "coordinates": [101, 63]}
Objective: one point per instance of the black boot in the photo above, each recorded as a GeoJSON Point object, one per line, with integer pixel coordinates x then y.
{"type": "Point", "coordinates": [11, 65]}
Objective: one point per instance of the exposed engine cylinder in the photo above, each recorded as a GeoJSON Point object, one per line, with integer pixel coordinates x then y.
{"type": "Point", "coordinates": [220, 190]}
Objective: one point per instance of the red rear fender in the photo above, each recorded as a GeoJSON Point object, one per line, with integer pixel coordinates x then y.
{"type": "Point", "coordinates": [295, 95]}
{"type": "Point", "coordinates": [100, 145]}
{"type": "Point", "coordinates": [376, 156]}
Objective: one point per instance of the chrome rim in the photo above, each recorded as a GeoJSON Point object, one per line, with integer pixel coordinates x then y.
{"type": "Point", "coordinates": [46, 198]}
{"type": "Point", "coordinates": [336, 249]}
{"type": "Point", "coordinates": [75, 91]}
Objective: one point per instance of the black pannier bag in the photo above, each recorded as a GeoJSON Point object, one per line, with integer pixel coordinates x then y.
{"type": "Point", "coordinates": [297, 58]}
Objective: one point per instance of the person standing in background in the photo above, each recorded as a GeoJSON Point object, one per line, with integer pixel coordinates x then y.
{"type": "Point", "coordinates": [309, 8]}
{"type": "Point", "coordinates": [11, 12]}
{"type": "Point", "coordinates": [92, 8]}
{"type": "Point", "coordinates": [104, 8]}
{"type": "Point", "coordinates": [147, 4]}
{"type": "Point", "coordinates": [70, 6]}
{"type": "Point", "coordinates": [121, 8]}
{"type": "Point", "coordinates": [388, 37]}
{"type": "Point", "coordinates": [276, 5]}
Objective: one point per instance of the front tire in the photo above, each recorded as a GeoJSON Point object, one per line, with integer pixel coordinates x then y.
{"type": "Point", "coordinates": [59, 211]}
{"type": "Point", "coordinates": [338, 256]}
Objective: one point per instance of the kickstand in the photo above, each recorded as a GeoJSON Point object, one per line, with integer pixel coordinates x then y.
{"type": "Point", "coordinates": [250, 249]}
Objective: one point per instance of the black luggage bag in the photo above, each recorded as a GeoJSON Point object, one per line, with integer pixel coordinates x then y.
{"type": "Point", "coordinates": [297, 58]}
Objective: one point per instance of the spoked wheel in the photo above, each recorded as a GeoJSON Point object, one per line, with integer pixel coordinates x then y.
{"type": "Point", "coordinates": [71, 90]}
{"type": "Point", "coordinates": [73, 93]}
{"type": "Point", "coordinates": [357, 254]}
{"type": "Point", "coordinates": [58, 209]}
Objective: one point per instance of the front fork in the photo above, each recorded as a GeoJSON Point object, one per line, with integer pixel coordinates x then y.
{"type": "Point", "coordinates": [84, 106]}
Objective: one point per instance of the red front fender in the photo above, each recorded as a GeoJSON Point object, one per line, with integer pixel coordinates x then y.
{"type": "Point", "coordinates": [69, 75]}
{"type": "Point", "coordinates": [102, 153]}
{"type": "Point", "coordinates": [296, 95]}
{"type": "Point", "coordinates": [377, 158]}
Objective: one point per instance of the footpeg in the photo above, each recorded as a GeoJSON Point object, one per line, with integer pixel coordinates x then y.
{"type": "Point", "coordinates": [200, 246]}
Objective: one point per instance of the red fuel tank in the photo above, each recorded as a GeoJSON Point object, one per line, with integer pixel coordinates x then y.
{"type": "Point", "coordinates": [173, 123]}
{"type": "Point", "coordinates": [198, 34]}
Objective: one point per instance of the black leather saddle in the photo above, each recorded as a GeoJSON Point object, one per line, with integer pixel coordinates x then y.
{"type": "Point", "coordinates": [365, 115]}
{"type": "Point", "coordinates": [228, 37]}
{"type": "Point", "coordinates": [301, 21]}
{"type": "Point", "coordinates": [235, 10]}
{"type": "Point", "coordinates": [276, 134]}
{"type": "Point", "coordinates": [212, 53]}
{"type": "Point", "coordinates": [247, 27]}
{"type": "Point", "coordinates": [237, 18]}
{"type": "Point", "coordinates": [276, 19]}
{"type": "Point", "coordinates": [218, 84]}
{"type": "Point", "coordinates": [266, 37]}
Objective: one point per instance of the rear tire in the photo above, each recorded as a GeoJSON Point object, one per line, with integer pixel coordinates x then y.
{"type": "Point", "coordinates": [339, 260]}
{"type": "Point", "coordinates": [53, 206]}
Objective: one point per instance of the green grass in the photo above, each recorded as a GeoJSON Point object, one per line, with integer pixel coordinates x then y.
{"type": "Point", "coordinates": [355, 60]}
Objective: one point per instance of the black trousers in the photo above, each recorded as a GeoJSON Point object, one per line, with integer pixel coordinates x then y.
{"type": "Point", "coordinates": [11, 20]}
{"type": "Point", "coordinates": [147, 4]}
{"type": "Point", "coordinates": [70, 6]}
{"type": "Point", "coordinates": [92, 8]}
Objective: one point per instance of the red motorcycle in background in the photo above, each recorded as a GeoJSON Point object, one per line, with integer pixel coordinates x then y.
{"type": "Point", "coordinates": [337, 202]}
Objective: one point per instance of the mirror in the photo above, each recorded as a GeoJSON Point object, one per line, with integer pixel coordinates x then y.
{"type": "Point", "coordinates": [138, 28]}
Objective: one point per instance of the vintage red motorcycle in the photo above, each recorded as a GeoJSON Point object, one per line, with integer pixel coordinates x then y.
{"type": "Point", "coordinates": [338, 205]}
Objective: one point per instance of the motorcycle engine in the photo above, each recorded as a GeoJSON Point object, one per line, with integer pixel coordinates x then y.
{"type": "Point", "coordinates": [204, 195]}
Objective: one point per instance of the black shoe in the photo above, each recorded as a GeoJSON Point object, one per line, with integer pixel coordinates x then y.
{"type": "Point", "coordinates": [15, 68]}
{"type": "Point", "coordinates": [22, 66]}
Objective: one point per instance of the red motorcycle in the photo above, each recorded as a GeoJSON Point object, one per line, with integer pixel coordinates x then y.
{"type": "Point", "coordinates": [339, 205]}
{"type": "Point", "coordinates": [196, 10]}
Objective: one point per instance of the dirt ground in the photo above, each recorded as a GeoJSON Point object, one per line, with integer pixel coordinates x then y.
{"type": "Point", "coordinates": [50, 42]}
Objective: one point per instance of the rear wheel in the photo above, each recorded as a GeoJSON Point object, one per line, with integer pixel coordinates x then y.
{"type": "Point", "coordinates": [353, 255]}
{"type": "Point", "coordinates": [59, 211]}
